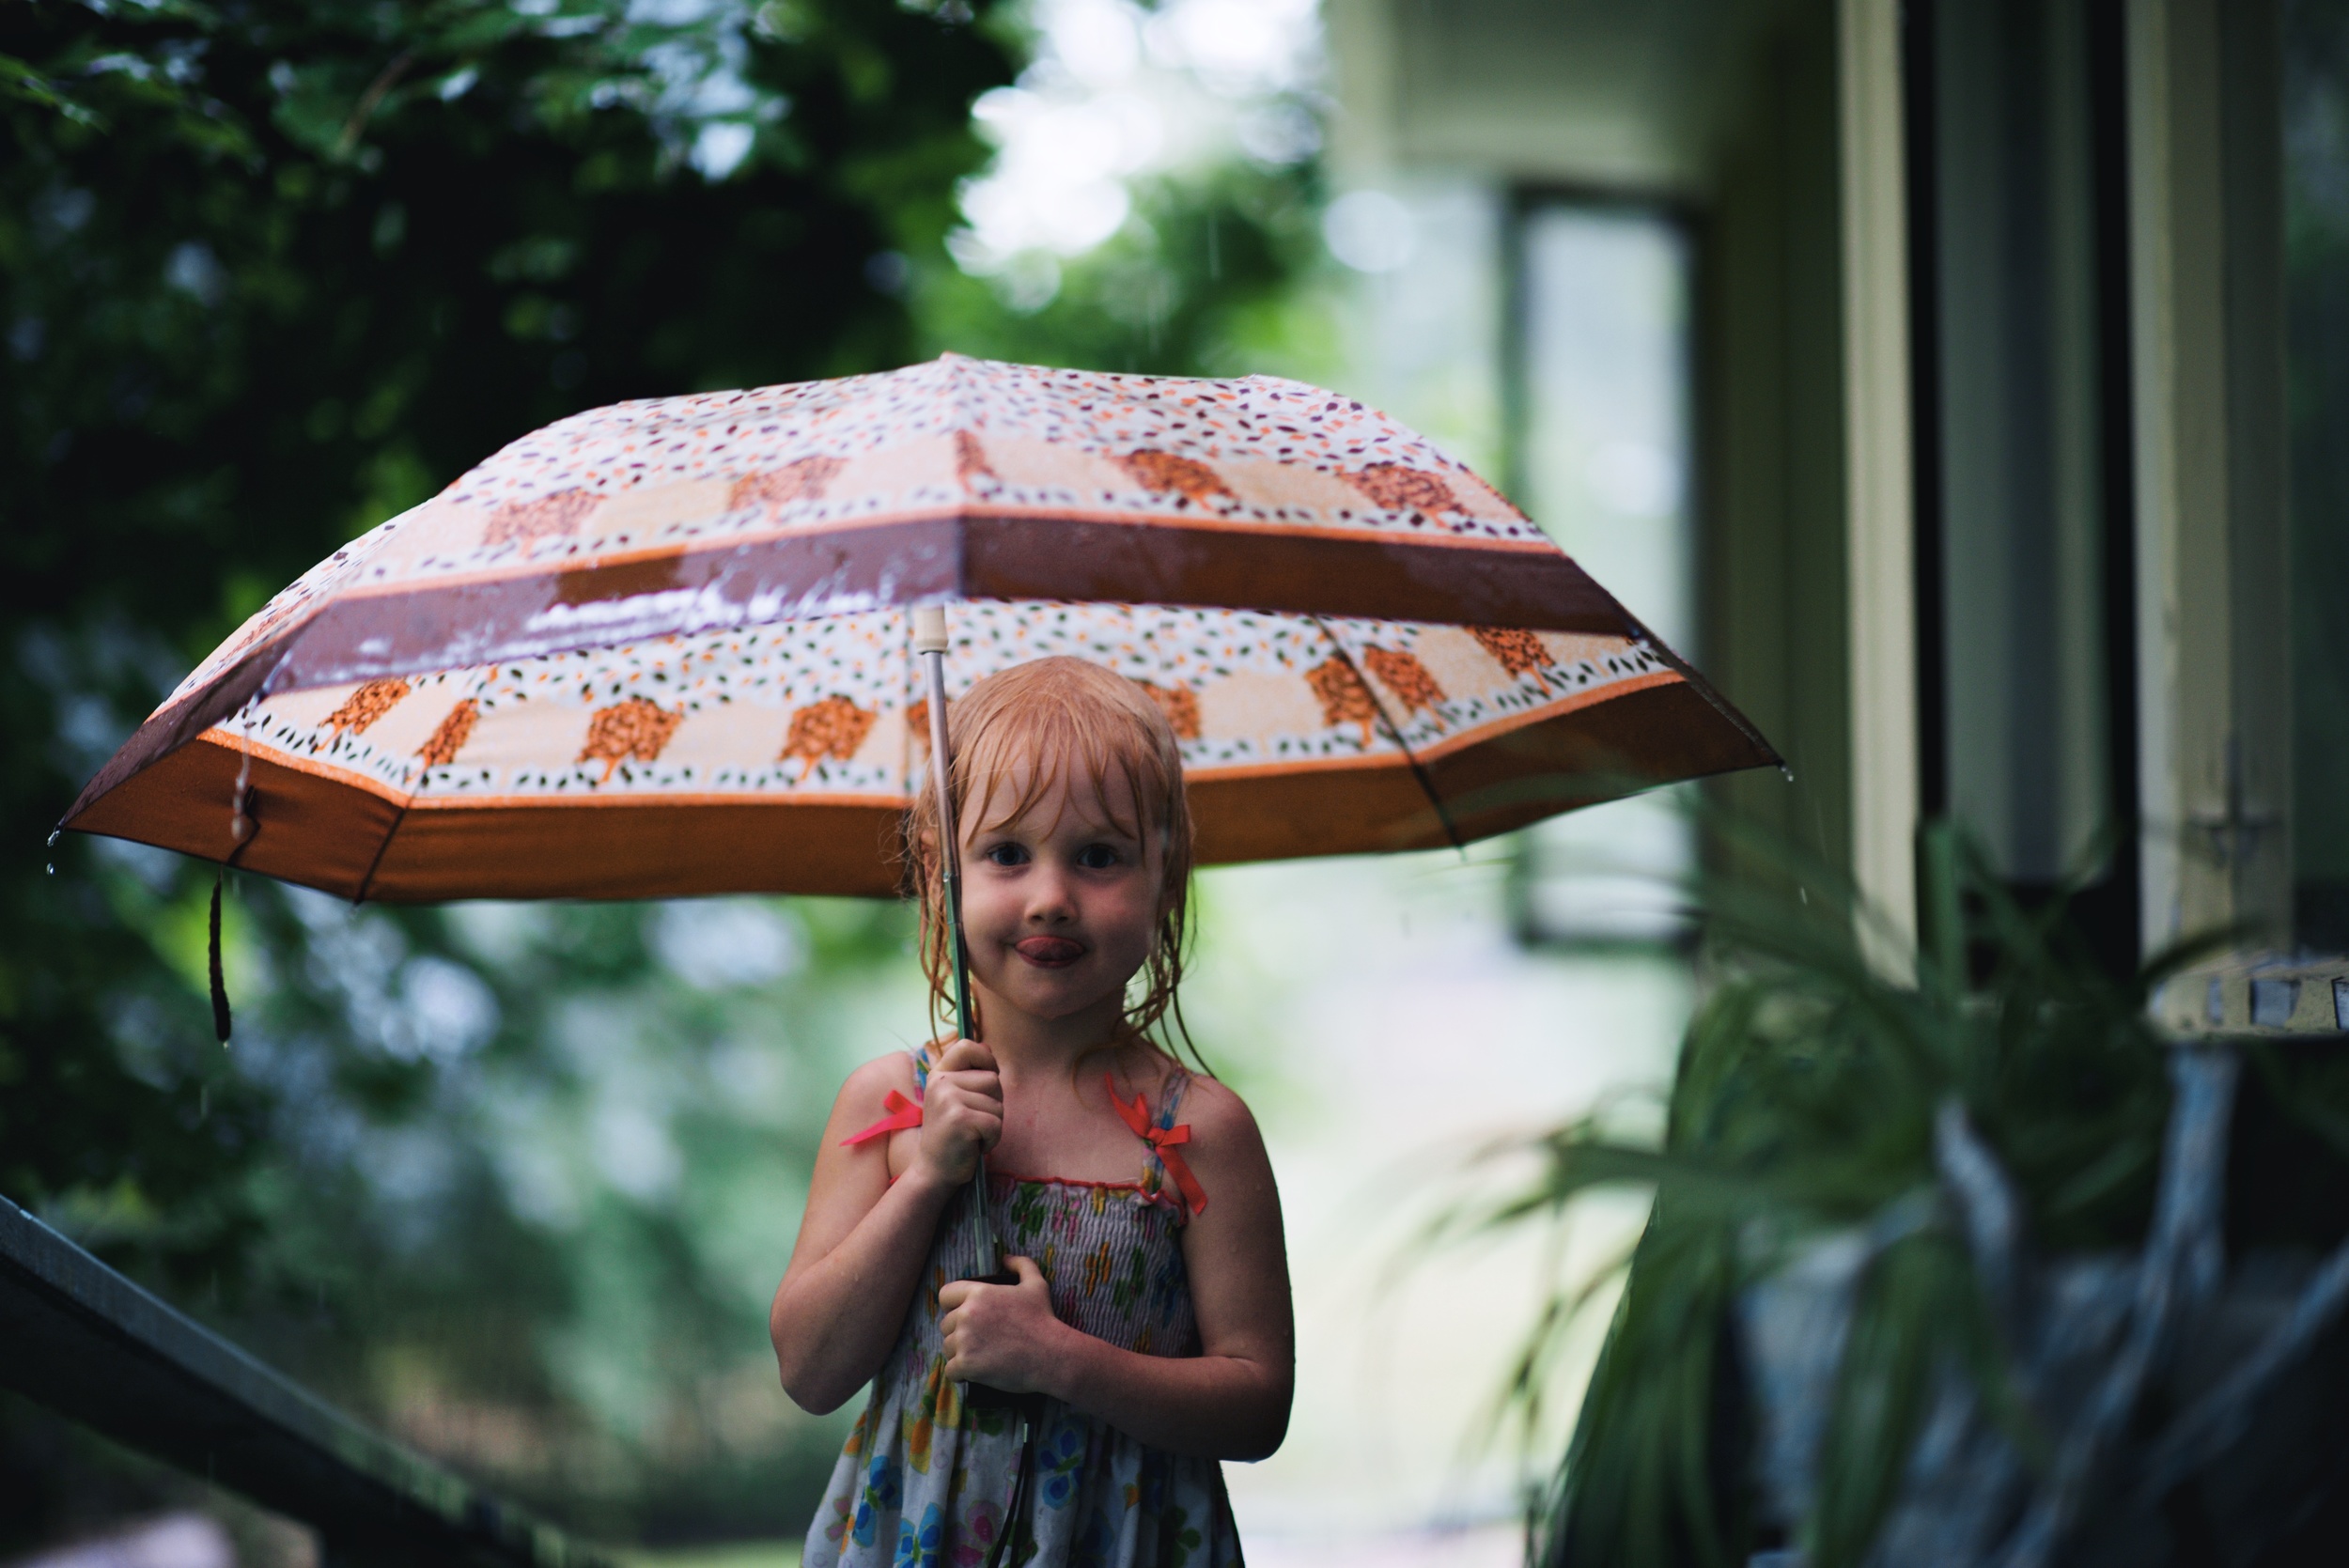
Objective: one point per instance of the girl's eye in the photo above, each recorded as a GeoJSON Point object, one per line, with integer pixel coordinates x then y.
{"type": "Point", "coordinates": [1007, 854]}
{"type": "Point", "coordinates": [1096, 857]}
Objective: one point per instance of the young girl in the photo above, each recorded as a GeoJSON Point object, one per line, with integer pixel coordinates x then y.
{"type": "Point", "coordinates": [1149, 1327]}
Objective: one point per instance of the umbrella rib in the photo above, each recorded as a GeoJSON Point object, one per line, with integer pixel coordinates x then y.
{"type": "Point", "coordinates": [369, 880]}
{"type": "Point", "coordinates": [1394, 733]}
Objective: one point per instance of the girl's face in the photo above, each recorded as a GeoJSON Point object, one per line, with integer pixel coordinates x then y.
{"type": "Point", "coordinates": [1060, 906]}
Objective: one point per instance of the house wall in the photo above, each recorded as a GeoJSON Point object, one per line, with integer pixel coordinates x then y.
{"type": "Point", "coordinates": [2098, 399]}
{"type": "Point", "coordinates": [1773, 585]}
{"type": "Point", "coordinates": [1728, 111]}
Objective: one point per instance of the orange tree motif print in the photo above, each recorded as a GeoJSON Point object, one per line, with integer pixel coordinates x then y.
{"type": "Point", "coordinates": [1344, 700]}
{"type": "Point", "coordinates": [835, 727]}
{"type": "Point", "coordinates": [367, 705]}
{"type": "Point", "coordinates": [1404, 490]}
{"type": "Point", "coordinates": [1169, 474]}
{"type": "Point", "coordinates": [634, 730]}
{"type": "Point", "coordinates": [546, 517]}
{"type": "Point", "coordinates": [1400, 673]}
{"type": "Point", "coordinates": [804, 480]}
{"type": "Point", "coordinates": [1518, 651]}
{"type": "Point", "coordinates": [449, 737]}
{"type": "Point", "coordinates": [1180, 705]}
{"type": "Point", "coordinates": [970, 463]}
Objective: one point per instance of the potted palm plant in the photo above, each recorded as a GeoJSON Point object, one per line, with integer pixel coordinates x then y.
{"type": "Point", "coordinates": [1977, 1267]}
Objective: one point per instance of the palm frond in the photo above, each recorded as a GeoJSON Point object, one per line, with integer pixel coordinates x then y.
{"type": "Point", "coordinates": [1804, 1105]}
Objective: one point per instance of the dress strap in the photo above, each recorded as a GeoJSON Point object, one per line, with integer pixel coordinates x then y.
{"type": "Point", "coordinates": [1171, 1095]}
{"type": "Point", "coordinates": [1165, 1141]}
{"type": "Point", "coordinates": [901, 1113]}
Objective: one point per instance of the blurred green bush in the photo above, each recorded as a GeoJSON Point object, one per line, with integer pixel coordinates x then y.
{"type": "Point", "coordinates": [1824, 1103]}
{"type": "Point", "coordinates": [515, 1181]}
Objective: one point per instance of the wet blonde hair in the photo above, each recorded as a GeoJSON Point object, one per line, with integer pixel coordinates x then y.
{"type": "Point", "coordinates": [1056, 716]}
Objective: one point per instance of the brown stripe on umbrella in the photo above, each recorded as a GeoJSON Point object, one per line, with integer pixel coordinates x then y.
{"type": "Point", "coordinates": [437, 627]}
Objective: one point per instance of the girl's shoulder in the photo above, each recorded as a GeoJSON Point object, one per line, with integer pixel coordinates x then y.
{"type": "Point", "coordinates": [1207, 1104]}
{"type": "Point", "coordinates": [872, 1080]}
{"type": "Point", "coordinates": [1223, 1148]}
{"type": "Point", "coordinates": [1210, 1106]}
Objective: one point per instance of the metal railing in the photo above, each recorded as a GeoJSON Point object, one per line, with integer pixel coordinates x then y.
{"type": "Point", "coordinates": [97, 1349]}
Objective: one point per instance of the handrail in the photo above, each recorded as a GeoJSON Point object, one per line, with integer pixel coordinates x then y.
{"type": "Point", "coordinates": [99, 1350]}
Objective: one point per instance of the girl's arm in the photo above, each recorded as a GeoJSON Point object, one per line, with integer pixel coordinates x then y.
{"type": "Point", "coordinates": [1229, 1401]}
{"type": "Point", "coordinates": [864, 1240]}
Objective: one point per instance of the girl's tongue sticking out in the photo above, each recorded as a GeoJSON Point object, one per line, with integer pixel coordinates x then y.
{"type": "Point", "coordinates": [1049, 952]}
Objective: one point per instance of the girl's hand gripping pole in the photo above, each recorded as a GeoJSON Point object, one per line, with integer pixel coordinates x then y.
{"type": "Point", "coordinates": [930, 642]}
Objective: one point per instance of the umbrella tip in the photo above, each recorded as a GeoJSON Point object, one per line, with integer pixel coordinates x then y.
{"type": "Point", "coordinates": [929, 629]}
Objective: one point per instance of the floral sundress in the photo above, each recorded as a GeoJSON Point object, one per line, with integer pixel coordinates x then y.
{"type": "Point", "coordinates": [925, 1478]}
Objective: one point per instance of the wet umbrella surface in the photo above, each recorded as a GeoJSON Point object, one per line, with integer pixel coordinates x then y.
{"type": "Point", "coordinates": [660, 648]}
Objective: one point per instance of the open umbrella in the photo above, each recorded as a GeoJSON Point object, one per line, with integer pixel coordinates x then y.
{"type": "Point", "coordinates": [658, 648]}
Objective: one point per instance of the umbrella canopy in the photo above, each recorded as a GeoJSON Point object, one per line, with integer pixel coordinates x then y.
{"type": "Point", "coordinates": [660, 648]}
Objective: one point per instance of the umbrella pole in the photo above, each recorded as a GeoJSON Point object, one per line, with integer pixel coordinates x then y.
{"type": "Point", "coordinates": [929, 641]}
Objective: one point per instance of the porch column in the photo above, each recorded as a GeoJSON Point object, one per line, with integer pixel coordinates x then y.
{"type": "Point", "coordinates": [2213, 610]}
{"type": "Point", "coordinates": [1880, 529]}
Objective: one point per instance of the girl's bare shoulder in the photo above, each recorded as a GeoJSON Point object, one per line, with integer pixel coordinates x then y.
{"type": "Point", "coordinates": [871, 1082]}
{"type": "Point", "coordinates": [1214, 1108]}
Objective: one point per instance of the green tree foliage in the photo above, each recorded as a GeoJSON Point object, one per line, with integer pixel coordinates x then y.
{"type": "Point", "coordinates": [1203, 281]}
{"type": "Point", "coordinates": [271, 274]}
{"type": "Point", "coordinates": [513, 1181]}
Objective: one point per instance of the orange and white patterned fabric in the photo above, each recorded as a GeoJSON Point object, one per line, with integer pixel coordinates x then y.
{"type": "Point", "coordinates": [599, 663]}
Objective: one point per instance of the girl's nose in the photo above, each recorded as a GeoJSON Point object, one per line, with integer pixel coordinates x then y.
{"type": "Point", "coordinates": [1049, 896]}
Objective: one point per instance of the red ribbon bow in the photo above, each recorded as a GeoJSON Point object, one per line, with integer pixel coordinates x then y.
{"type": "Point", "coordinates": [903, 1113]}
{"type": "Point", "coordinates": [1164, 1139]}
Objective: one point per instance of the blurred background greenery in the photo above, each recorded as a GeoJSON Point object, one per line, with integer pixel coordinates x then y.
{"type": "Point", "coordinates": [514, 1182]}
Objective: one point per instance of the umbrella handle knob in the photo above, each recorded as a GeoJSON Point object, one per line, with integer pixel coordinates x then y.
{"type": "Point", "coordinates": [929, 629]}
